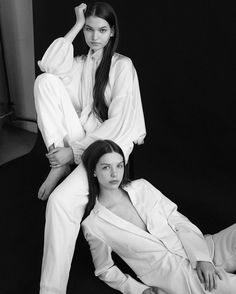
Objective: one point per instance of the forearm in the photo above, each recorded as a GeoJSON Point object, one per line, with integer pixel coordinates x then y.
{"type": "Point", "coordinates": [70, 36]}
{"type": "Point", "coordinates": [194, 244]}
{"type": "Point", "coordinates": [105, 268]}
{"type": "Point", "coordinates": [190, 235]}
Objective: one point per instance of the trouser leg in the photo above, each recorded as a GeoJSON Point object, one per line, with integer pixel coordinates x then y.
{"type": "Point", "coordinates": [222, 247]}
{"type": "Point", "coordinates": [225, 249]}
{"type": "Point", "coordinates": [56, 115]}
{"type": "Point", "coordinates": [65, 209]}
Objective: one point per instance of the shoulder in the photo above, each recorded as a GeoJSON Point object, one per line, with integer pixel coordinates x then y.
{"type": "Point", "coordinates": [138, 184]}
{"type": "Point", "coordinates": [144, 191]}
{"type": "Point", "coordinates": [122, 58]}
{"type": "Point", "coordinates": [122, 62]}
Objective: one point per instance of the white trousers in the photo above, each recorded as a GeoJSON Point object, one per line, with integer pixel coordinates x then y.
{"type": "Point", "coordinates": [225, 249]}
{"type": "Point", "coordinates": [59, 124]}
{"type": "Point", "coordinates": [65, 209]}
{"type": "Point", "coordinates": [224, 258]}
{"type": "Point", "coordinates": [56, 115]}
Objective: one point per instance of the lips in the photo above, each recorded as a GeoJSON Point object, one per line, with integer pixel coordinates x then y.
{"type": "Point", "coordinates": [114, 182]}
{"type": "Point", "coordinates": [95, 43]}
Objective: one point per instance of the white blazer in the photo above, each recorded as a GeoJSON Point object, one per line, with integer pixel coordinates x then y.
{"type": "Point", "coordinates": [164, 257]}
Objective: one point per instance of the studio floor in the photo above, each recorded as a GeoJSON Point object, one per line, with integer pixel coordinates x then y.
{"type": "Point", "coordinates": [15, 142]}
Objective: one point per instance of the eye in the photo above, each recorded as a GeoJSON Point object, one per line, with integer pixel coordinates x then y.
{"type": "Point", "coordinates": [88, 29]}
{"type": "Point", "coordinates": [105, 167]}
{"type": "Point", "coordinates": [120, 165]}
{"type": "Point", "coordinates": [103, 30]}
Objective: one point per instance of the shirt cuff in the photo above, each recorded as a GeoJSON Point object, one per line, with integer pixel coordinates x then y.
{"type": "Point", "coordinates": [77, 152]}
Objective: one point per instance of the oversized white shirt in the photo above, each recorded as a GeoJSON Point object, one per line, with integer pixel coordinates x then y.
{"type": "Point", "coordinates": [125, 124]}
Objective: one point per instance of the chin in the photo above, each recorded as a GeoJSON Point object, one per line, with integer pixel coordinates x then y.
{"type": "Point", "coordinates": [94, 48]}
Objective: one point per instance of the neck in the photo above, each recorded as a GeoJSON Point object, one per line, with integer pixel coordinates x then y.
{"type": "Point", "coordinates": [111, 197]}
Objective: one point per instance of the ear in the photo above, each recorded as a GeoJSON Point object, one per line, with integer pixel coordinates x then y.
{"type": "Point", "coordinates": [112, 32]}
{"type": "Point", "coordinates": [94, 174]}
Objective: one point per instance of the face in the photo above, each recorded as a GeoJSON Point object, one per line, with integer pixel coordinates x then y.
{"type": "Point", "coordinates": [109, 171]}
{"type": "Point", "coordinates": [97, 32]}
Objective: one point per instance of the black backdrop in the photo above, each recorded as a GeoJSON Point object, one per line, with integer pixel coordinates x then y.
{"type": "Point", "coordinates": [184, 53]}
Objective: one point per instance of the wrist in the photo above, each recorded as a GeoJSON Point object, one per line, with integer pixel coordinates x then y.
{"type": "Point", "coordinates": [78, 26]}
{"type": "Point", "coordinates": [71, 155]}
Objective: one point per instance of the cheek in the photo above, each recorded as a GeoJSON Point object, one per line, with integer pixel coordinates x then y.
{"type": "Point", "coordinates": [122, 173]}
{"type": "Point", "coordinates": [106, 38]}
{"type": "Point", "coordinates": [86, 36]}
{"type": "Point", "coordinates": [101, 177]}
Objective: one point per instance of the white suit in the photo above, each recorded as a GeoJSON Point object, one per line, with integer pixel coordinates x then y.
{"type": "Point", "coordinates": [166, 255]}
{"type": "Point", "coordinates": [64, 100]}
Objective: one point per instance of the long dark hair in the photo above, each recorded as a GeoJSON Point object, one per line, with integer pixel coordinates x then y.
{"type": "Point", "coordinates": [105, 11]}
{"type": "Point", "coordinates": [90, 159]}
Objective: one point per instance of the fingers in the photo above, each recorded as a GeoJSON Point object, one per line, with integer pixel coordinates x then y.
{"type": "Point", "coordinates": [53, 162]}
{"type": "Point", "coordinates": [215, 275]}
{"type": "Point", "coordinates": [219, 274]}
{"type": "Point", "coordinates": [210, 281]}
{"type": "Point", "coordinates": [52, 157]}
{"type": "Point", "coordinates": [82, 6]}
{"type": "Point", "coordinates": [53, 151]}
{"type": "Point", "coordinates": [215, 281]}
{"type": "Point", "coordinates": [206, 279]}
{"type": "Point", "coordinates": [207, 282]}
{"type": "Point", "coordinates": [200, 276]}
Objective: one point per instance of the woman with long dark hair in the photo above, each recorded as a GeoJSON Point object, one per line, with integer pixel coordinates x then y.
{"type": "Point", "coordinates": [167, 252]}
{"type": "Point", "coordinates": [78, 100]}
{"type": "Point", "coordinates": [98, 149]}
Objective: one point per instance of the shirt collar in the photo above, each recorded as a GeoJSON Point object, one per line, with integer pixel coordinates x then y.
{"type": "Point", "coordinates": [97, 55]}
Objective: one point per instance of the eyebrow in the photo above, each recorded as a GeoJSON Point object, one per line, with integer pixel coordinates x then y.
{"type": "Point", "coordinates": [103, 163]}
{"type": "Point", "coordinates": [103, 27]}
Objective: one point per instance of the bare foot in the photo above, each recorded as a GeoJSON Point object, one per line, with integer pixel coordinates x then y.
{"type": "Point", "coordinates": [51, 181]}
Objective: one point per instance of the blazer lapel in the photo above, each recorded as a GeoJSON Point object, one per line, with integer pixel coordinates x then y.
{"type": "Point", "coordinates": [121, 223]}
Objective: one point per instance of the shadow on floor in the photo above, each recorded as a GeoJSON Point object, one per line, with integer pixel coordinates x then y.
{"type": "Point", "coordinates": [15, 142]}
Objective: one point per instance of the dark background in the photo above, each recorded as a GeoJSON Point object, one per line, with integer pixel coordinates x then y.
{"type": "Point", "coordinates": [184, 54]}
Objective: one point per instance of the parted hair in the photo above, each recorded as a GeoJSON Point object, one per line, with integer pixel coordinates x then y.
{"type": "Point", "coordinates": [90, 159]}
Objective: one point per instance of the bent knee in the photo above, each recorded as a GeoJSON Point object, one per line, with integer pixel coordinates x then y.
{"type": "Point", "coordinates": [47, 87]}
{"type": "Point", "coordinates": [45, 79]}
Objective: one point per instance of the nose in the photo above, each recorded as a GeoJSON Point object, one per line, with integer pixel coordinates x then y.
{"type": "Point", "coordinates": [95, 35]}
{"type": "Point", "coordinates": [113, 172]}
